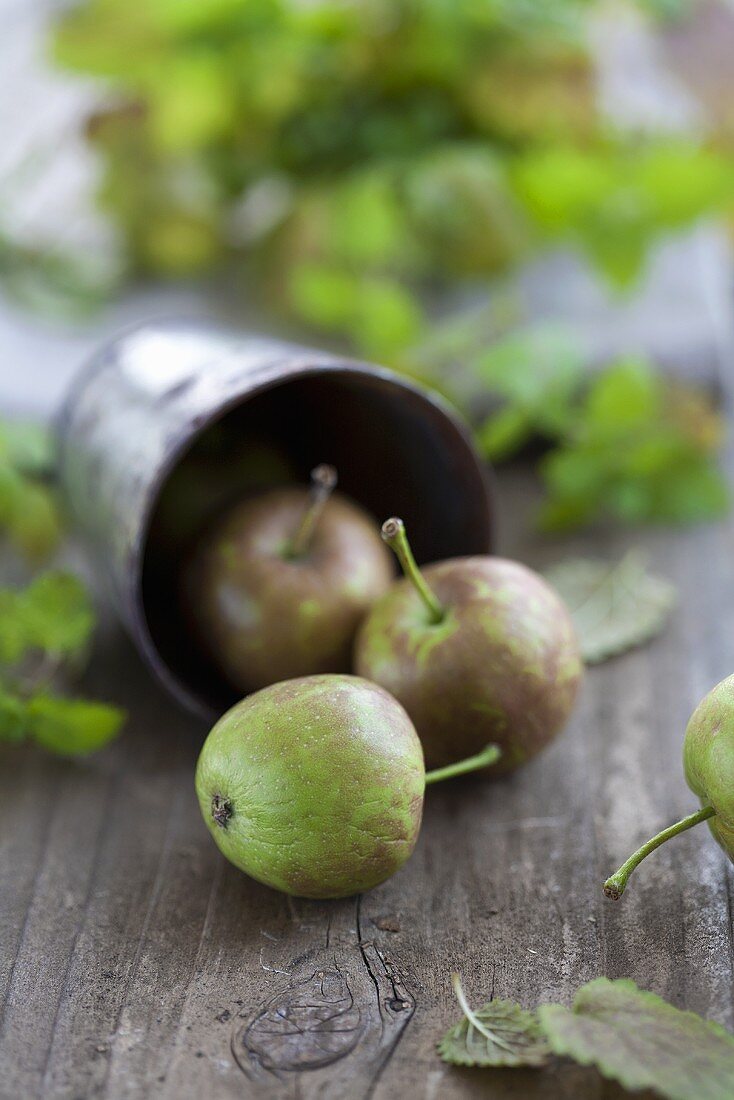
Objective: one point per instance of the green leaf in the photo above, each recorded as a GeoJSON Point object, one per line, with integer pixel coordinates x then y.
{"type": "Point", "coordinates": [565, 514]}
{"type": "Point", "coordinates": [27, 445]}
{"type": "Point", "coordinates": [366, 225]}
{"type": "Point", "coordinates": [13, 717]}
{"type": "Point", "coordinates": [614, 607]}
{"type": "Point", "coordinates": [504, 433]}
{"type": "Point", "coordinates": [380, 313]}
{"type": "Point", "coordinates": [622, 398]}
{"type": "Point", "coordinates": [561, 185]}
{"type": "Point", "coordinates": [682, 181]}
{"type": "Point", "coordinates": [190, 102]}
{"type": "Point", "coordinates": [576, 478]}
{"type": "Point", "coordinates": [322, 295]}
{"type": "Point", "coordinates": [53, 614]}
{"type": "Point", "coordinates": [539, 371]}
{"type": "Point", "coordinates": [639, 449]}
{"type": "Point", "coordinates": [72, 727]}
{"type": "Point", "coordinates": [58, 614]}
{"type": "Point", "coordinates": [13, 635]}
{"type": "Point", "coordinates": [696, 492]}
{"type": "Point", "coordinates": [461, 208]}
{"type": "Point", "coordinates": [35, 527]}
{"type": "Point", "coordinates": [500, 1033]}
{"type": "Point", "coordinates": [387, 318]}
{"type": "Point", "coordinates": [614, 199]}
{"type": "Point", "coordinates": [641, 1041]}
{"type": "Point", "coordinates": [540, 368]}
{"type": "Point", "coordinates": [27, 509]}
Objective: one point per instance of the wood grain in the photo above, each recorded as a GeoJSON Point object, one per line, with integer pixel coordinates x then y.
{"type": "Point", "coordinates": [135, 962]}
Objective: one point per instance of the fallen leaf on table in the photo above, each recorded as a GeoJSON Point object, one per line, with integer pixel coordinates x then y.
{"type": "Point", "coordinates": [500, 1033]}
{"type": "Point", "coordinates": [640, 1040]}
{"type": "Point", "coordinates": [614, 607]}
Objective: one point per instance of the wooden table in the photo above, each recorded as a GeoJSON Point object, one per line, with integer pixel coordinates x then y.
{"type": "Point", "coordinates": [135, 962]}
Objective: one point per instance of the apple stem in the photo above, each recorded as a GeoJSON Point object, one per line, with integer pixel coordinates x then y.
{"type": "Point", "coordinates": [489, 755]}
{"type": "Point", "coordinates": [323, 483]}
{"type": "Point", "coordinates": [393, 533]}
{"type": "Point", "coordinates": [615, 886]}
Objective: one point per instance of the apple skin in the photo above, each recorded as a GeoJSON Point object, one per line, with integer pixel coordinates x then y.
{"type": "Point", "coordinates": [708, 759]}
{"type": "Point", "coordinates": [314, 786]}
{"type": "Point", "coordinates": [262, 616]}
{"type": "Point", "coordinates": [502, 666]}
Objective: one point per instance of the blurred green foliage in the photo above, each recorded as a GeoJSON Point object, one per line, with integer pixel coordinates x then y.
{"type": "Point", "coordinates": [641, 448]}
{"type": "Point", "coordinates": [627, 445]}
{"type": "Point", "coordinates": [28, 513]}
{"type": "Point", "coordinates": [352, 156]}
{"type": "Point", "coordinates": [358, 162]}
{"type": "Point", "coordinates": [46, 627]}
{"type": "Point", "coordinates": [43, 627]}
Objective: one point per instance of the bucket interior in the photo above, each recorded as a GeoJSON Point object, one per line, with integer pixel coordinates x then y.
{"type": "Point", "coordinates": [396, 454]}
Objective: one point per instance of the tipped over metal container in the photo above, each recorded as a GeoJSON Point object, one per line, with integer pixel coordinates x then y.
{"type": "Point", "coordinates": [173, 421]}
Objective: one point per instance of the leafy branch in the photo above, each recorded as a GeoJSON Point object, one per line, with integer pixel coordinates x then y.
{"type": "Point", "coordinates": [28, 512]}
{"type": "Point", "coordinates": [46, 627]}
{"type": "Point", "coordinates": [368, 168]}
{"type": "Point", "coordinates": [627, 444]}
{"type": "Point", "coordinates": [364, 161]}
{"type": "Point", "coordinates": [45, 631]}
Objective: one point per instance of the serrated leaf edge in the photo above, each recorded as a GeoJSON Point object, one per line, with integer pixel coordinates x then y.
{"type": "Point", "coordinates": [470, 1021]}
{"type": "Point", "coordinates": [623, 1076]}
{"type": "Point", "coordinates": [631, 986]}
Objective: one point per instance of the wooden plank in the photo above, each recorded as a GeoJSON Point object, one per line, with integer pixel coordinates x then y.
{"type": "Point", "coordinates": [134, 961]}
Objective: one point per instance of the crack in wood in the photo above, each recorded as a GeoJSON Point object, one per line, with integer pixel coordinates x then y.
{"type": "Point", "coordinates": [306, 1026]}
{"type": "Point", "coordinates": [352, 1004]}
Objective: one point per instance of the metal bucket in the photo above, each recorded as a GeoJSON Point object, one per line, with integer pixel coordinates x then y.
{"type": "Point", "coordinates": [172, 421]}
